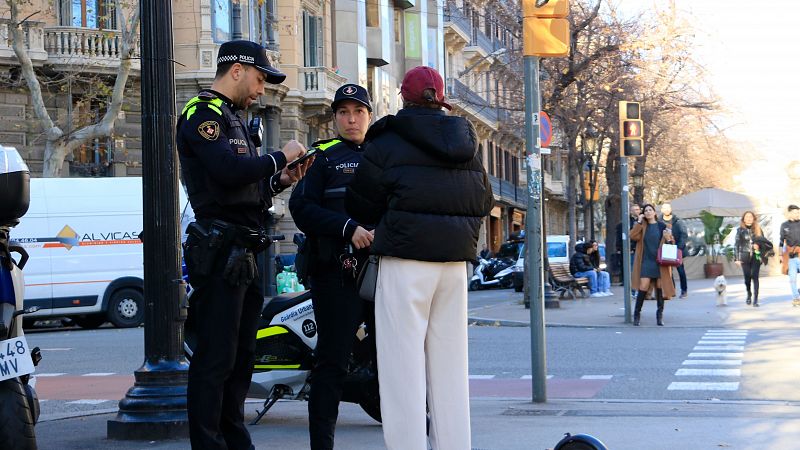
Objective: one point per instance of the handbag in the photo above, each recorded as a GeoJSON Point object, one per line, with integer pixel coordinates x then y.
{"type": "Point", "coordinates": [367, 281]}
{"type": "Point", "coordinates": [669, 255]}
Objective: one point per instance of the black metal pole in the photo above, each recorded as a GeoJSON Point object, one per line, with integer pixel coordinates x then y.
{"type": "Point", "coordinates": [155, 407]}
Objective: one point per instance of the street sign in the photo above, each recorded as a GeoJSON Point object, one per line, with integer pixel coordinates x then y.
{"type": "Point", "coordinates": [545, 129]}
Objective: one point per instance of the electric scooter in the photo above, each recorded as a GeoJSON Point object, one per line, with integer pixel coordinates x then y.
{"type": "Point", "coordinates": [19, 405]}
{"type": "Point", "coordinates": [492, 273]}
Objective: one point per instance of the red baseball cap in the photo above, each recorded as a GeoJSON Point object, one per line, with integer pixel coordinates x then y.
{"type": "Point", "coordinates": [420, 78]}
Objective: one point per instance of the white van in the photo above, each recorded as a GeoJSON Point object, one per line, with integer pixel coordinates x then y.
{"type": "Point", "coordinates": [86, 259]}
{"type": "Point", "coordinates": [557, 252]}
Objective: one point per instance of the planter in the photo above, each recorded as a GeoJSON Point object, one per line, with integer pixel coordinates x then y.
{"type": "Point", "coordinates": [713, 270]}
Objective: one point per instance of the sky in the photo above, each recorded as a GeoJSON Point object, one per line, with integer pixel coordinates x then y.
{"type": "Point", "coordinates": [751, 51]}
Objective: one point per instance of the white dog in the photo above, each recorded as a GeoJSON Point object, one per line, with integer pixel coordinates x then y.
{"type": "Point", "coordinates": [721, 286]}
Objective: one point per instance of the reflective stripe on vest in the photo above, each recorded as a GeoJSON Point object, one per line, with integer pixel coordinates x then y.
{"type": "Point", "coordinates": [214, 104]}
{"type": "Point", "coordinates": [328, 145]}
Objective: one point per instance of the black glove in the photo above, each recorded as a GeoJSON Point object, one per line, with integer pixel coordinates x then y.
{"type": "Point", "coordinates": [241, 267]}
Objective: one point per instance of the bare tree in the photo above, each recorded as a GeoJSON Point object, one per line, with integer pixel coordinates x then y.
{"type": "Point", "coordinates": [58, 143]}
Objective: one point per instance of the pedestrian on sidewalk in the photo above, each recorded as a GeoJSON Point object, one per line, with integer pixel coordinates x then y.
{"type": "Point", "coordinates": [679, 232]}
{"type": "Point", "coordinates": [580, 266]}
{"type": "Point", "coordinates": [748, 253]}
{"type": "Point", "coordinates": [790, 250]}
{"type": "Point", "coordinates": [422, 182]}
{"type": "Point", "coordinates": [603, 277]}
{"type": "Point", "coordinates": [649, 235]}
{"type": "Point", "coordinates": [338, 246]}
{"type": "Point", "coordinates": [634, 212]}
{"type": "Point", "coordinates": [230, 186]}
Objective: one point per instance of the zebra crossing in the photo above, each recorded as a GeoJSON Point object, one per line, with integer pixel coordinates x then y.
{"type": "Point", "coordinates": [714, 363]}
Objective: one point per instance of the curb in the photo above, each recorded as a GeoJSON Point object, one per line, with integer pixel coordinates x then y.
{"type": "Point", "coordinates": [486, 322]}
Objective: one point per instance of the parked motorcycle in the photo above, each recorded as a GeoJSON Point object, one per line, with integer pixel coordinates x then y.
{"type": "Point", "coordinates": [19, 405]}
{"type": "Point", "coordinates": [285, 343]}
{"type": "Point", "coordinates": [495, 272]}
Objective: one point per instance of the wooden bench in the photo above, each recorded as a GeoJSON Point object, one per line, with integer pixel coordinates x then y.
{"type": "Point", "coordinates": [564, 283]}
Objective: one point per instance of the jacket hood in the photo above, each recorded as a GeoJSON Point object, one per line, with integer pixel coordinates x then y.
{"type": "Point", "coordinates": [449, 138]}
{"type": "Point", "coordinates": [580, 248]}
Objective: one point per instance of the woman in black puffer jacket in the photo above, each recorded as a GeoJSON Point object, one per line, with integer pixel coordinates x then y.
{"type": "Point", "coordinates": [422, 182]}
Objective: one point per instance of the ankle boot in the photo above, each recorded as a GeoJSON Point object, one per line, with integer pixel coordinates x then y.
{"type": "Point", "coordinates": [660, 310]}
{"type": "Point", "coordinates": [755, 300]}
{"type": "Point", "coordinates": [749, 297]}
{"type": "Point", "coordinates": [637, 312]}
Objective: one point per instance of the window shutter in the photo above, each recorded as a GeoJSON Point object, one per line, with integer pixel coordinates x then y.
{"type": "Point", "coordinates": [320, 50]}
{"type": "Point", "coordinates": [307, 39]}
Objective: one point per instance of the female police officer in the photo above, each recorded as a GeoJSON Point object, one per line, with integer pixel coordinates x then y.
{"type": "Point", "coordinates": [230, 188]}
{"type": "Point", "coordinates": [337, 242]}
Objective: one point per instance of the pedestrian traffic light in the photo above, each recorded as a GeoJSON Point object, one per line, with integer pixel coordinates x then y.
{"type": "Point", "coordinates": [545, 28]}
{"type": "Point", "coordinates": [631, 129]}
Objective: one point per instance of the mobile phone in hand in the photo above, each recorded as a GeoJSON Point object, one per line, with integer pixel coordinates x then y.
{"type": "Point", "coordinates": [292, 165]}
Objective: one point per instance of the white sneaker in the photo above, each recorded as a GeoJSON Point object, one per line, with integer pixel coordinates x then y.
{"type": "Point", "coordinates": [608, 294]}
{"type": "Point", "coordinates": [597, 294]}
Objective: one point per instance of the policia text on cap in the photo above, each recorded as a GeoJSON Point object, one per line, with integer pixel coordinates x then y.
{"type": "Point", "coordinates": [230, 187]}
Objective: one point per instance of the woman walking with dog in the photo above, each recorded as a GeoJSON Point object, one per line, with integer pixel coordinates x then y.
{"type": "Point", "coordinates": [649, 235]}
{"type": "Point", "coordinates": [748, 253]}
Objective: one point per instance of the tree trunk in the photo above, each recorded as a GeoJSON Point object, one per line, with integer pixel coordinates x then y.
{"type": "Point", "coordinates": [571, 189]}
{"type": "Point", "coordinates": [613, 201]}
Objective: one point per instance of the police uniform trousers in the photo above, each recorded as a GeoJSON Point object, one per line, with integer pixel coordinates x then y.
{"type": "Point", "coordinates": [226, 319]}
{"type": "Point", "coordinates": [338, 311]}
{"type": "Point", "coordinates": [421, 332]}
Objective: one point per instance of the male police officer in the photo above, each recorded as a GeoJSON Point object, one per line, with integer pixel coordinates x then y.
{"type": "Point", "coordinates": [338, 244]}
{"type": "Point", "coordinates": [230, 188]}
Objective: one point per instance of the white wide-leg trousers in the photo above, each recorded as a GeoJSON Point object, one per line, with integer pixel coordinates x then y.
{"type": "Point", "coordinates": [421, 334]}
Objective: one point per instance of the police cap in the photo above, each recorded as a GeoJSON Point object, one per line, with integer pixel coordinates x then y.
{"type": "Point", "coordinates": [351, 92]}
{"type": "Point", "coordinates": [251, 54]}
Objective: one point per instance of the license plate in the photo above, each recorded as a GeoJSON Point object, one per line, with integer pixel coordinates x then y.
{"type": "Point", "coordinates": [15, 358]}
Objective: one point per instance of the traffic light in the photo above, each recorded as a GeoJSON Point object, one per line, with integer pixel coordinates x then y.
{"type": "Point", "coordinates": [631, 129]}
{"type": "Point", "coordinates": [545, 28]}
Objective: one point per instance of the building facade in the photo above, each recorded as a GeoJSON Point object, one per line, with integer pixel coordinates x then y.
{"type": "Point", "coordinates": [320, 45]}
{"type": "Point", "coordinates": [75, 49]}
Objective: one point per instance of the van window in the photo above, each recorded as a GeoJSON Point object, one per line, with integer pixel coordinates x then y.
{"type": "Point", "coordinates": [556, 249]}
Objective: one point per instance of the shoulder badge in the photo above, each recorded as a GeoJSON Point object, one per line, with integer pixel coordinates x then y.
{"type": "Point", "coordinates": [209, 130]}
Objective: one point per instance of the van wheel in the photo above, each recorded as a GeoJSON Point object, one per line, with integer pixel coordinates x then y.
{"type": "Point", "coordinates": [126, 308]}
{"type": "Point", "coordinates": [90, 322]}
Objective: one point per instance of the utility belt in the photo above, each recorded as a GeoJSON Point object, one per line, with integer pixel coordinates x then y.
{"type": "Point", "coordinates": [323, 253]}
{"type": "Point", "coordinates": [216, 246]}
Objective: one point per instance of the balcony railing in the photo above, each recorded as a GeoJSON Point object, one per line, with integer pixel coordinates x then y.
{"type": "Point", "coordinates": [34, 40]}
{"type": "Point", "coordinates": [457, 18]}
{"type": "Point", "coordinates": [508, 193]}
{"type": "Point", "coordinates": [484, 42]}
{"type": "Point", "coordinates": [73, 45]}
{"type": "Point", "coordinates": [459, 91]}
{"type": "Point", "coordinates": [319, 82]}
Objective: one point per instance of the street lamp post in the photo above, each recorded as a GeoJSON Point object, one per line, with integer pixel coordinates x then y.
{"type": "Point", "coordinates": [638, 186]}
{"type": "Point", "coordinates": [155, 407]}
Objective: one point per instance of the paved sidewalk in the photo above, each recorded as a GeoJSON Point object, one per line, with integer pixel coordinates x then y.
{"type": "Point", "coordinates": [506, 424]}
{"type": "Point", "coordinates": [698, 310]}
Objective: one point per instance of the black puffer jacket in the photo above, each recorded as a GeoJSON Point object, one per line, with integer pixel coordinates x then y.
{"type": "Point", "coordinates": [421, 181]}
{"type": "Point", "coordinates": [580, 261]}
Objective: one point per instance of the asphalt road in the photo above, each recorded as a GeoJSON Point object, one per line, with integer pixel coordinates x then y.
{"type": "Point", "coordinates": [90, 370]}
